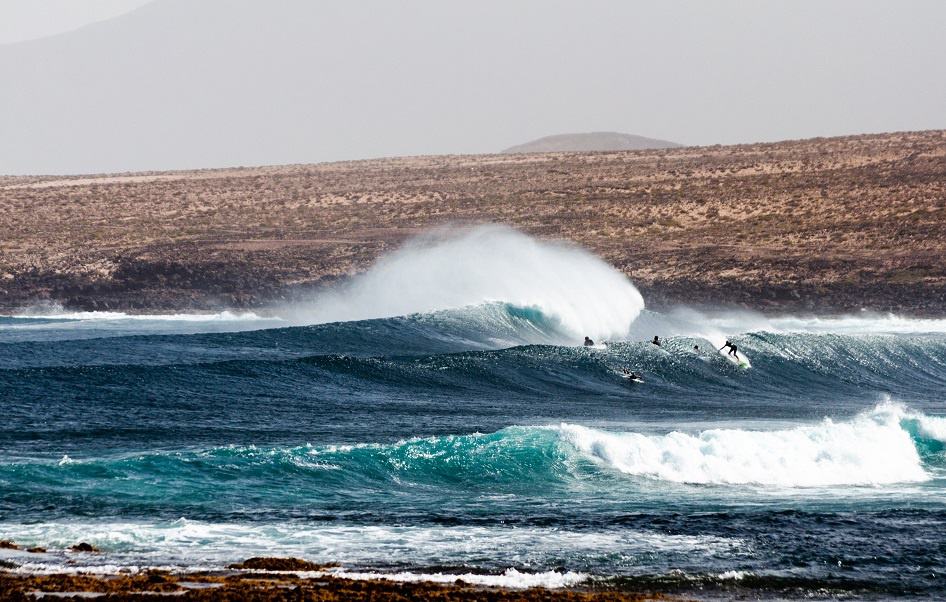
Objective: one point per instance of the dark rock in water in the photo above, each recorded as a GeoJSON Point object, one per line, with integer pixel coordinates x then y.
{"type": "Point", "coordinates": [6, 544]}
{"type": "Point", "coordinates": [6, 564]}
{"type": "Point", "coordinates": [279, 564]}
{"type": "Point", "coordinates": [157, 577]}
{"type": "Point", "coordinates": [84, 547]}
{"type": "Point", "coordinates": [36, 550]}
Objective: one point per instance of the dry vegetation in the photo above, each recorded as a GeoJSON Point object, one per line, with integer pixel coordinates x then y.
{"type": "Point", "coordinates": [825, 224]}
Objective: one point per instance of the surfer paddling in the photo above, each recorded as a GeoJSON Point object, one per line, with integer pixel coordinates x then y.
{"type": "Point", "coordinates": [732, 349]}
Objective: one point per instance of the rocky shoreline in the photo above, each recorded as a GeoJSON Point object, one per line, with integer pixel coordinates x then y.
{"type": "Point", "coordinates": [277, 579]}
{"type": "Point", "coordinates": [273, 586]}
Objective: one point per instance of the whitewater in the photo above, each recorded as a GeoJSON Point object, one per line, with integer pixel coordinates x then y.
{"type": "Point", "coordinates": [437, 418]}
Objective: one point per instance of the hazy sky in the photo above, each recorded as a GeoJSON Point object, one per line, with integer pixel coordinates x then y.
{"type": "Point", "coordinates": [184, 83]}
{"type": "Point", "coordinates": [29, 19]}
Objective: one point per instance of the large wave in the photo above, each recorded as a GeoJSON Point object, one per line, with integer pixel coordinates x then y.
{"type": "Point", "coordinates": [886, 445]}
{"type": "Point", "coordinates": [450, 269]}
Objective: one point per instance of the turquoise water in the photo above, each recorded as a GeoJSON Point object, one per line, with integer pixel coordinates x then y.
{"type": "Point", "coordinates": [483, 442]}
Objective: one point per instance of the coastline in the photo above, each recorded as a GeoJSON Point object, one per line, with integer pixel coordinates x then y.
{"type": "Point", "coordinates": [274, 579]}
{"type": "Point", "coordinates": [826, 225]}
{"type": "Point", "coordinates": [907, 299]}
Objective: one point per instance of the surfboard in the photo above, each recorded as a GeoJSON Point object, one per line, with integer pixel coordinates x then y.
{"type": "Point", "coordinates": [633, 380]}
{"type": "Point", "coordinates": [598, 347]}
{"type": "Point", "coordinates": [739, 360]}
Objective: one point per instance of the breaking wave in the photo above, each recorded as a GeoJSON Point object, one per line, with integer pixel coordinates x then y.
{"type": "Point", "coordinates": [451, 269]}
{"type": "Point", "coordinates": [879, 447]}
{"type": "Point", "coordinates": [889, 444]}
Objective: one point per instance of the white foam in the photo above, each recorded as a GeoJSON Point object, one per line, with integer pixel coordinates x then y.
{"type": "Point", "coordinates": [733, 575]}
{"type": "Point", "coordinates": [195, 544]}
{"type": "Point", "coordinates": [510, 578]}
{"type": "Point", "coordinates": [688, 321]}
{"type": "Point", "coordinates": [57, 313]}
{"type": "Point", "coordinates": [452, 269]}
{"type": "Point", "coordinates": [872, 449]}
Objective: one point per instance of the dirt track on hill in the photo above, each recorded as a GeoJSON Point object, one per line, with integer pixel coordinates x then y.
{"type": "Point", "coordinates": [827, 225]}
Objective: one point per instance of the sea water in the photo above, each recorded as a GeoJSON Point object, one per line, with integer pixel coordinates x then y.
{"type": "Point", "coordinates": [439, 418]}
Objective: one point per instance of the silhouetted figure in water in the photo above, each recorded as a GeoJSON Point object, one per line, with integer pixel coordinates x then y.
{"type": "Point", "coordinates": [696, 348]}
{"type": "Point", "coordinates": [656, 340]}
{"type": "Point", "coordinates": [732, 348]}
{"type": "Point", "coordinates": [632, 375]}
{"type": "Point", "coordinates": [589, 342]}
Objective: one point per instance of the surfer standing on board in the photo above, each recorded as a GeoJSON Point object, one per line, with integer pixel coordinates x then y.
{"type": "Point", "coordinates": [656, 341]}
{"type": "Point", "coordinates": [732, 348]}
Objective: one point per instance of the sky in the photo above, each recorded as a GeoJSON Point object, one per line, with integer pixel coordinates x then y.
{"type": "Point", "coordinates": [98, 86]}
{"type": "Point", "coordinates": [22, 20]}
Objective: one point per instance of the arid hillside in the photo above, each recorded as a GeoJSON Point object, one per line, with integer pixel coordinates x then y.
{"type": "Point", "coordinates": [824, 225]}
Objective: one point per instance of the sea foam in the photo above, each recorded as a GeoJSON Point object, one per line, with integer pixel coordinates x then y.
{"type": "Point", "coordinates": [872, 449]}
{"type": "Point", "coordinates": [452, 268]}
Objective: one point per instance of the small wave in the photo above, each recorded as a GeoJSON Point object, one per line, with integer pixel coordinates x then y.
{"type": "Point", "coordinates": [368, 551]}
{"type": "Point", "coordinates": [58, 313]}
{"type": "Point", "coordinates": [684, 320]}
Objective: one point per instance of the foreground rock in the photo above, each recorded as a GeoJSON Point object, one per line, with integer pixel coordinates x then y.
{"type": "Point", "coordinates": [269, 587]}
{"type": "Point", "coordinates": [84, 547]}
{"type": "Point", "coordinates": [279, 564]}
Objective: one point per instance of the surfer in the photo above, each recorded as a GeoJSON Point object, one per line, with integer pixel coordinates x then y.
{"type": "Point", "coordinates": [631, 374]}
{"type": "Point", "coordinates": [732, 348]}
{"type": "Point", "coordinates": [656, 340]}
{"type": "Point", "coordinates": [696, 348]}
{"type": "Point", "coordinates": [589, 342]}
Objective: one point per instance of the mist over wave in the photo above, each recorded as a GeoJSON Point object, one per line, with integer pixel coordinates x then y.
{"type": "Point", "coordinates": [517, 289]}
{"type": "Point", "coordinates": [457, 268]}
{"type": "Point", "coordinates": [716, 323]}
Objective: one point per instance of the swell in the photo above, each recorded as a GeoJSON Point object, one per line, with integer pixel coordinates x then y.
{"type": "Point", "coordinates": [496, 346]}
{"type": "Point", "coordinates": [887, 445]}
{"type": "Point", "coordinates": [489, 326]}
{"type": "Point", "coordinates": [411, 356]}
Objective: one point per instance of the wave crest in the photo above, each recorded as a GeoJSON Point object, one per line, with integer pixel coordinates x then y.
{"type": "Point", "coordinates": [875, 448]}
{"type": "Point", "coordinates": [451, 269]}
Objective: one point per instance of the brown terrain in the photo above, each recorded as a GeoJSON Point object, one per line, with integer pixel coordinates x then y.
{"type": "Point", "coordinates": [827, 225]}
{"type": "Point", "coordinates": [275, 579]}
{"type": "Point", "coordinates": [278, 587]}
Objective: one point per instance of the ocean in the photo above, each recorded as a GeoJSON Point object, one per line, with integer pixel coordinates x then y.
{"type": "Point", "coordinates": [439, 418]}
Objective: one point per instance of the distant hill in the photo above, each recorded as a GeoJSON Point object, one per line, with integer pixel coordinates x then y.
{"type": "Point", "coordinates": [590, 141]}
{"type": "Point", "coordinates": [803, 226]}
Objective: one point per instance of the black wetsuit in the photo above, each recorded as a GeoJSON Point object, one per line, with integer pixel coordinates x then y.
{"type": "Point", "coordinates": [732, 348]}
